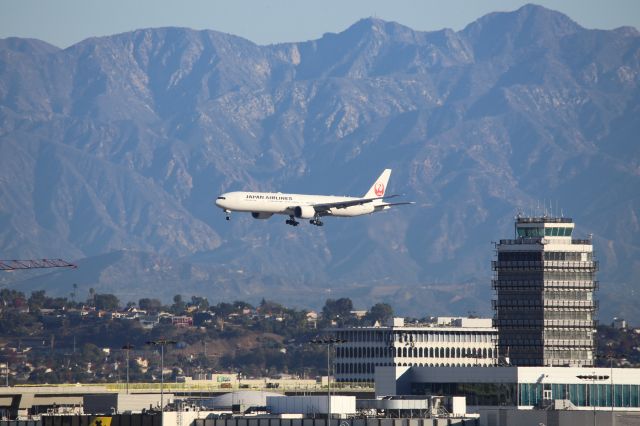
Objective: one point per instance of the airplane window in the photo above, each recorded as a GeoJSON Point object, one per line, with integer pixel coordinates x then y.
{"type": "Point", "coordinates": [221, 198]}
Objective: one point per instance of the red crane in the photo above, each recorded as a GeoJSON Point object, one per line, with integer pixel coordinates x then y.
{"type": "Point", "coordinates": [12, 265]}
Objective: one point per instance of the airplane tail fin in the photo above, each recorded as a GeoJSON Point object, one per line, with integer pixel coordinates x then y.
{"type": "Point", "coordinates": [379, 187]}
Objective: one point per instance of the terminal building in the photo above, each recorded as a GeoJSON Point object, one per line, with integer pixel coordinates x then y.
{"type": "Point", "coordinates": [579, 388]}
{"type": "Point", "coordinates": [544, 314]}
{"type": "Point", "coordinates": [444, 342]}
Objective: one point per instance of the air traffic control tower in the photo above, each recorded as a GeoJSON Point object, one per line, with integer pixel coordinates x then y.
{"type": "Point", "coordinates": [544, 282]}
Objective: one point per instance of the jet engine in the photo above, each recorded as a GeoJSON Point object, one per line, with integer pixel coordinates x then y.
{"type": "Point", "coordinates": [260, 215]}
{"type": "Point", "coordinates": [304, 212]}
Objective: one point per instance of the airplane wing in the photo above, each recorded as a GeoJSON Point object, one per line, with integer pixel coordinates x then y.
{"type": "Point", "coordinates": [324, 207]}
{"type": "Point", "coordinates": [397, 204]}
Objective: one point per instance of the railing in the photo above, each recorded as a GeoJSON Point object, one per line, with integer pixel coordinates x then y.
{"type": "Point", "coordinates": [569, 342]}
{"type": "Point", "coordinates": [543, 265]}
{"type": "Point", "coordinates": [540, 240]}
{"type": "Point", "coordinates": [234, 386]}
{"type": "Point", "coordinates": [569, 323]}
{"type": "Point", "coordinates": [499, 284]}
{"type": "Point", "coordinates": [581, 241]}
{"type": "Point", "coordinates": [521, 241]}
{"type": "Point", "coordinates": [563, 303]}
{"type": "Point", "coordinates": [544, 220]}
{"type": "Point", "coordinates": [517, 323]}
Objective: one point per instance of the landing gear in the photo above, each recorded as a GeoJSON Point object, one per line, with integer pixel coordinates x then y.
{"type": "Point", "coordinates": [316, 222]}
{"type": "Point", "coordinates": [228, 214]}
{"type": "Point", "coordinates": [292, 221]}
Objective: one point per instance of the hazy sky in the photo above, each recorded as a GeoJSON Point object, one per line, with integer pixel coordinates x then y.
{"type": "Point", "coordinates": [64, 22]}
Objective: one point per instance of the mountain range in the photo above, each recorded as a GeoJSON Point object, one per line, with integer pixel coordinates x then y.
{"type": "Point", "coordinates": [114, 149]}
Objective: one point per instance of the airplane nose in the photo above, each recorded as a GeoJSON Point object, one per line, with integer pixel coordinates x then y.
{"type": "Point", "coordinates": [221, 201]}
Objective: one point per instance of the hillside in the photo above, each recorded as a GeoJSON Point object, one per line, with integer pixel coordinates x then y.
{"type": "Point", "coordinates": [114, 149]}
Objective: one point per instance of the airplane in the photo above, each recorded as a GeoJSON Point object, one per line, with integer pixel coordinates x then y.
{"type": "Point", "coordinates": [263, 205]}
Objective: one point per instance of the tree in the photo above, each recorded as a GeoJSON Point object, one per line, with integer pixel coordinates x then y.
{"type": "Point", "coordinates": [178, 304]}
{"type": "Point", "coordinates": [150, 305]}
{"type": "Point", "coordinates": [92, 297]}
{"type": "Point", "coordinates": [334, 309]}
{"type": "Point", "coordinates": [74, 292]}
{"type": "Point", "coordinates": [106, 302]}
{"type": "Point", "coordinates": [201, 302]}
{"type": "Point", "coordinates": [379, 312]}
{"type": "Point", "coordinates": [223, 309]}
{"type": "Point", "coordinates": [37, 300]}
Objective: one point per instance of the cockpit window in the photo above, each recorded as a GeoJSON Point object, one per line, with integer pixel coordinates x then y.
{"type": "Point", "coordinates": [221, 198]}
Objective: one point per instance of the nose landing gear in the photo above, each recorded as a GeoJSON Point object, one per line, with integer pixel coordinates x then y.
{"type": "Point", "coordinates": [228, 214]}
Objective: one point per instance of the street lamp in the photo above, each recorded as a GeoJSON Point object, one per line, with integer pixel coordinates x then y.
{"type": "Point", "coordinates": [127, 348]}
{"type": "Point", "coordinates": [162, 343]}
{"type": "Point", "coordinates": [329, 342]}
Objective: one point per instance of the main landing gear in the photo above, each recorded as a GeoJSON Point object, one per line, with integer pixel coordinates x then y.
{"type": "Point", "coordinates": [293, 222]}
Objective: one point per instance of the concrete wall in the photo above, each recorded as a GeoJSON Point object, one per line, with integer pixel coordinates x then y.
{"type": "Point", "coordinates": [392, 381]}
{"type": "Point", "coordinates": [336, 422]}
{"type": "Point", "coordinates": [315, 404]}
{"type": "Point", "coordinates": [508, 417]}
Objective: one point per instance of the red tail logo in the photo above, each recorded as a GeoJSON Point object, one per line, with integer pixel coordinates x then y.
{"type": "Point", "coordinates": [379, 189]}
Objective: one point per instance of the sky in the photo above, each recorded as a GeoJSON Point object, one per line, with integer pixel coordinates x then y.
{"type": "Point", "coordinates": [65, 22]}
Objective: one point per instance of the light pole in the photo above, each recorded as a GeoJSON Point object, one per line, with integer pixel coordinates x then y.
{"type": "Point", "coordinates": [127, 348]}
{"type": "Point", "coordinates": [329, 342]}
{"type": "Point", "coordinates": [162, 343]}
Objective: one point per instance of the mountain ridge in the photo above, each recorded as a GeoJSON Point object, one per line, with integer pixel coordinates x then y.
{"type": "Point", "coordinates": [120, 144]}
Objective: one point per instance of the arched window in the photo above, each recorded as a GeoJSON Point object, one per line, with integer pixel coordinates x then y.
{"type": "Point", "coordinates": [420, 352]}
{"type": "Point", "coordinates": [447, 353]}
{"type": "Point", "coordinates": [404, 352]}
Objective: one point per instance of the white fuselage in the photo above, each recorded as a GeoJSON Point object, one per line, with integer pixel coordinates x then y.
{"type": "Point", "coordinates": [279, 203]}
